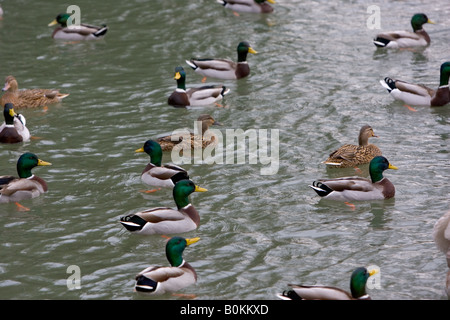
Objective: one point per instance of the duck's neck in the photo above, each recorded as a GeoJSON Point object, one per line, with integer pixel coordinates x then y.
{"type": "Point", "coordinates": [156, 160]}
{"type": "Point", "coordinates": [175, 259]}
{"type": "Point", "coordinates": [242, 56]}
{"type": "Point", "coordinates": [357, 289]}
{"type": "Point", "coordinates": [181, 84]}
{"type": "Point", "coordinates": [181, 201]}
{"type": "Point", "coordinates": [376, 175]}
{"type": "Point", "coordinates": [445, 74]}
{"type": "Point", "coordinates": [24, 172]}
{"type": "Point", "coordinates": [363, 140]}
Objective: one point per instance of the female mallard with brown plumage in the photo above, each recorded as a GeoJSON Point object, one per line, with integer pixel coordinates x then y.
{"type": "Point", "coordinates": [29, 98]}
{"type": "Point", "coordinates": [168, 143]}
{"type": "Point", "coordinates": [200, 96]}
{"type": "Point", "coordinates": [14, 129]}
{"type": "Point", "coordinates": [350, 155]}
{"type": "Point", "coordinates": [157, 280]}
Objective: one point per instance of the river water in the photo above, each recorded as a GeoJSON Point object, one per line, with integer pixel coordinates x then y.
{"type": "Point", "coordinates": [315, 79]}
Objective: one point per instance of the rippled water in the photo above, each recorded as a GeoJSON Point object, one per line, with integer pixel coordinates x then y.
{"type": "Point", "coordinates": [315, 79]}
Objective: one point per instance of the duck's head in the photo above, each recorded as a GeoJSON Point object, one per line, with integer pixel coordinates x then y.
{"type": "Point", "coordinates": [10, 84]}
{"type": "Point", "coordinates": [358, 281]}
{"type": "Point", "coordinates": [207, 121]}
{"type": "Point", "coordinates": [182, 190]}
{"type": "Point", "coordinates": [376, 167]}
{"type": "Point", "coordinates": [153, 149]}
{"type": "Point", "coordinates": [180, 76]}
{"type": "Point", "coordinates": [418, 20]}
{"type": "Point", "coordinates": [9, 113]}
{"type": "Point", "coordinates": [445, 73]}
{"type": "Point", "coordinates": [243, 49]}
{"type": "Point", "coordinates": [28, 161]}
{"type": "Point", "coordinates": [60, 19]}
{"type": "Point", "coordinates": [365, 133]}
{"type": "Point", "coordinates": [175, 247]}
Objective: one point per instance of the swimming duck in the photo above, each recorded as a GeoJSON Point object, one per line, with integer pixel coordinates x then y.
{"type": "Point", "coordinates": [76, 32]}
{"type": "Point", "coordinates": [350, 155]}
{"type": "Point", "coordinates": [253, 6]}
{"type": "Point", "coordinates": [406, 39]}
{"type": "Point", "coordinates": [223, 68]}
{"type": "Point", "coordinates": [420, 95]}
{"type": "Point", "coordinates": [196, 141]}
{"type": "Point", "coordinates": [14, 129]}
{"type": "Point", "coordinates": [29, 98]}
{"type": "Point", "coordinates": [159, 280]}
{"type": "Point", "coordinates": [358, 282]}
{"type": "Point", "coordinates": [167, 220]}
{"type": "Point", "coordinates": [358, 188]}
{"type": "Point", "coordinates": [158, 175]}
{"type": "Point", "coordinates": [441, 236]}
{"type": "Point", "coordinates": [27, 185]}
{"type": "Point", "coordinates": [201, 96]}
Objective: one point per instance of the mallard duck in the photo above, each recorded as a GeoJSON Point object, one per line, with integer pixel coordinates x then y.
{"type": "Point", "coordinates": [27, 185]}
{"type": "Point", "coordinates": [350, 155]}
{"type": "Point", "coordinates": [196, 141]}
{"type": "Point", "coordinates": [14, 129]}
{"type": "Point", "coordinates": [358, 188]}
{"type": "Point", "coordinates": [200, 96]}
{"type": "Point", "coordinates": [29, 98]}
{"type": "Point", "coordinates": [76, 32]}
{"type": "Point", "coordinates": [223, 68]}
{"type": "Point", "coordinates": [253, 6]}
{"type": "Point", "coordinates": [159, 280]}
{"type": "Point", "coordinates": [358, 282]}
{"type": "Point", "coordinates": [406, 39]}
{"type": "Point", "coordinates": [441, 236]}
{"type": "Point", "coordinates": [420, 95]}
{"type": "Point", "coordinates": [158, 175]}
{"type": "Point", "coordinates": [167, 220]}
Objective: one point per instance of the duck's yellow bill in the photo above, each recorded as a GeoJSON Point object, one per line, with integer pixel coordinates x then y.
{"type": "Point", "coordinates": [200, 189]}
{"type": "Point", "coordinates": [12, 113]}
{"type": "Point", "coordinates": [43, 163]}
{"type": "Point", "coordinates": [139, 150]}
{"type": "Point", "coordinates": [251, 50]}
{"type": "Point", "coordinates": [392, 167]}
{"type": "Point", "coordinates": [432, 22]}
{"type": "Point", "coordinates": [373, 271]}
{"type": "Point", "coordinates": [271, 1]}
{"type": "Point", "coordinates": [177, 76]}
{"type": "Point", "coordinates": [190, 241]}
{"type": "Point", "coordinates": [53, 23]}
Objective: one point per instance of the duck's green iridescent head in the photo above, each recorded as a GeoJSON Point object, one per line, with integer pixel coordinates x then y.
{"type": "Point", "coordinates": [153, 149]}
{"type": "Point", "coordinates": [418, 20]}
{"type": "Point", "coordinates": [377, 166]}
{"type": "Point", "coordinates": [445, 73]}
{"type": "Point", "coordinates": [182, 190]}
{"type": "Point", "coordinates": [28, 161]}
{"type": "Point", "coordinates": [175, 247]}
{"type": "Point", "coordinates": [243, 49]}
{"type": "Point", "coordinates": [180, 76]}
{"type": "Point", "coordinates": [358, 281]}
{"type": "Point", "coordinates": [9, 113]}
{"type": "Point", "coordinates": [61, 19]}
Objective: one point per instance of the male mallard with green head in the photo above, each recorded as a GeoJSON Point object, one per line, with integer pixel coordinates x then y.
{"type": "Point", "coordinates": [76, 32]}
{"type": "Point", "coordinates": [156, 280]}
{"type": "Point", "coordinates": [420, 95]}
{"type": "Point", "coordinates": [224, 68]}
{"type": "Point", "coordinates": [14, 129]}
{"type": "Point", "coordinates": [164, 220]}
{"type": "Point", "coordinates": [358, 282]}
{"type": "Point", "coordinates": [406, 39]}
